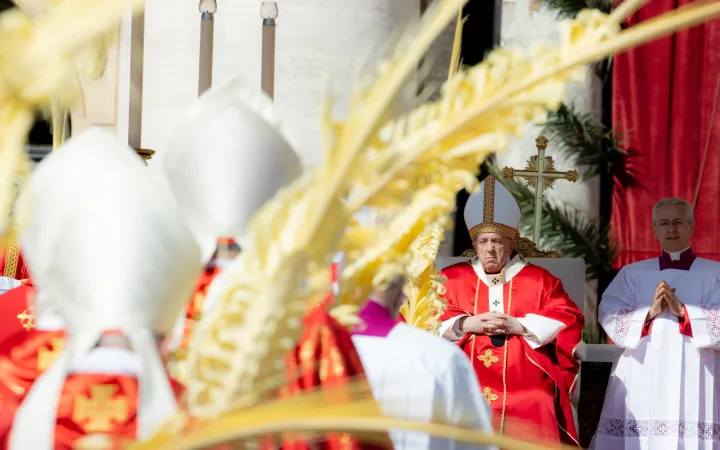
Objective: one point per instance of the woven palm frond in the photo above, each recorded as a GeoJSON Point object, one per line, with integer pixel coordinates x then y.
{"type": "Point", "coordinates": [424, 287]}
{"type": "Point", "coordinates": [291, 237]}
{"type": "Point", "coordinates": [413, 163]}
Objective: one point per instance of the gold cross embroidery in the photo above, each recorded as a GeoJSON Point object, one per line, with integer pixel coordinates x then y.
{"type": "Point", "coordinates": [488, 358]}
{"type": "Point", "coordinates": [96, 414]}
{"type": "Point", "coordinates": [27, 319]}
{"type": "Point", "coordinates": [47, 356]}
{"type": "Point", "coordinates": [489, 396]}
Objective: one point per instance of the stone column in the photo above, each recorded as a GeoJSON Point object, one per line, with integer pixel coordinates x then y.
{"type": "Point", "coordinates": [99, 102]}
{"type": "Point", "coordinates": [171, 69]}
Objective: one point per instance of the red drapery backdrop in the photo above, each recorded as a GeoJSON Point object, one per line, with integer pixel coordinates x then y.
{"type": "Point", "coordinates": [663, 96]}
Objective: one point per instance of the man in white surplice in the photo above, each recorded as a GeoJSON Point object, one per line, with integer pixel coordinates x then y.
{"type": "Point", "coordinates": [416, 375]}
{"type": "Point", "coordinates": [665, 313]}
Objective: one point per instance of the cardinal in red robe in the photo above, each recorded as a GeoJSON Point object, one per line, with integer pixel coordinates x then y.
{"type": "Point", "coordinates": [516, 324]}
{"type": "Point", "coordinates": [110, 379]}
{"type": "Point", "coordinates": [324, 358]}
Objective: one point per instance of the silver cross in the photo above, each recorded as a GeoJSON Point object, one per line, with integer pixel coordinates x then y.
{"type": "Point", "coordinates": [496, 303]}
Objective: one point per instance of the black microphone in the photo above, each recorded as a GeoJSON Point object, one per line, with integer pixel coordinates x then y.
{"type": "Point", "coordinates": [498, 340]}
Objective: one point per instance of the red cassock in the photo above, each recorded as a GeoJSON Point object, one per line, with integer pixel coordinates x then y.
{"type": "Point", "coordinates": [94, 404]}
{"type": "Point", "coordinates": [527, 389]}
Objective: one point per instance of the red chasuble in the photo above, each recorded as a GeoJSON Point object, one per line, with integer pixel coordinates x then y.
{"type": "Point", "coordinates": [16, 313]}
{"type": "Point", "coordinates": [24, 357]}
{"type": "Point", "coordinates": [92, 404]}
{"type": "Point", "coordinates": [526, 385]}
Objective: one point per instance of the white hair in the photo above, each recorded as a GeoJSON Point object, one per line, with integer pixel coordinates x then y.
{"type": "Point", "coordinates": [672, 201]}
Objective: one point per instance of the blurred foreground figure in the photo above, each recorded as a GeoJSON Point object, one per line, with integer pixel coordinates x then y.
{"type": "Point", "coordinates": [515, 322]}
{"type": "Point", "coordinates": [227, 159]}
{"type": "Point", "coordinates": [414, 374]}
{"type": "Point", "coordinates": [665, 313]}
{"type": "Point", "coordinates": [122, 264]}
{"type": "Point", "coordinates": [34, 336]}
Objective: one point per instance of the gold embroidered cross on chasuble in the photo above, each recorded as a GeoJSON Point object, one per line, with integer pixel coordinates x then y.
{"type": "Point", "coordinates": [97, 412]}
{"type": "Point", "coordinates": [489, 395]}
{"type": "Point", "coordinates": [488, 358]}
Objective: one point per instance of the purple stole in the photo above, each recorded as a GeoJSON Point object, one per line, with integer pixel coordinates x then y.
{"type": "Point", "coordinates": [684, 263]}
{"type": "Point", "coordinates": [375, 321]}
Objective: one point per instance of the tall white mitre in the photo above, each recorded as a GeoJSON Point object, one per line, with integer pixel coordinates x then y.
{"type": "Point", "coordinates": [227, 159]}
{"type": "Point", "coordinates": [121, 259]}
{"type": "Point", "coordinates": [43, 202]}
{"type": "Point", "coordinates": [492, 208]}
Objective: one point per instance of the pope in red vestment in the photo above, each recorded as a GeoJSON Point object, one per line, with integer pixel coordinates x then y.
{"type": "Point", "coordinates": [516, 324]}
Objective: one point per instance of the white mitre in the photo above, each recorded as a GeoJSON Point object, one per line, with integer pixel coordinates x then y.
{"type": "Point", "coordinates": [123, 259]}
{"type": "Point", "coordinates": [226, 160]}
{"type": "Point", "coordinates": [44, 202]}
{"type": "Point", "coordinates": [492, 208]}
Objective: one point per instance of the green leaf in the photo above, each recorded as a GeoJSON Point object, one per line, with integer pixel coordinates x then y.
{"type": "Point", "coordinates": [588, 143]}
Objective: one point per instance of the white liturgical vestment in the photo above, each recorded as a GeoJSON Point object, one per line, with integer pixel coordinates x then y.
{"type": "Point", "coordinates": [418, 376]}
{"type": "Point", "coordinates": [661, 394]}
{"type": "Point", "coordinates": [8, 283]}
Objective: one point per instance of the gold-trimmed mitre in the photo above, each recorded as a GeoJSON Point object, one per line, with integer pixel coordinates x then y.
{"type": "Point", "coordinates": [492, 209]}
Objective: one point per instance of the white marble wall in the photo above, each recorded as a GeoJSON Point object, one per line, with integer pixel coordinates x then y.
{"type": "Point", "coordinates": [318, 43]}
{"type": "Point", "coordinates": [525, 23]}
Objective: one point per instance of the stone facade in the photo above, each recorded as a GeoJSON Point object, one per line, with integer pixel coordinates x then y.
{"type": "Point", "coordinates": [319, 44]}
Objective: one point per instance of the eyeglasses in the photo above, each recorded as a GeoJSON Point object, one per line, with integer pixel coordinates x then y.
{"type": "Point", "coordinates": [673, 224]}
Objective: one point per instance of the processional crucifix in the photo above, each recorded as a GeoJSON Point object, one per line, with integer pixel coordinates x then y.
{"type": "Point", "coordinates": [540, 174]}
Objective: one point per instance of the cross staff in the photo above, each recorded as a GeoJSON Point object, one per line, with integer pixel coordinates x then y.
{"type": "Point", "coordinates": [540, 173]}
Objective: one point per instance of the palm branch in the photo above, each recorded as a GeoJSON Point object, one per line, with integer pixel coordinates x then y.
{"type": "Point", "coordinates": [588, 143]}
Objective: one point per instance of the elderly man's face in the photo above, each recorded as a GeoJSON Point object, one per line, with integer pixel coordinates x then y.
{"type": "Point", "coordinates": [672, 228]}
{"type": "Point", "coordinates": [493, 250]}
